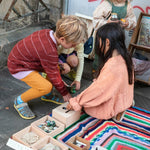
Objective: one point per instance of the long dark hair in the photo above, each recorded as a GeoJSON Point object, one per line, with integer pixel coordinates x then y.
{"type": "Point", "coordinates": [116, 36]}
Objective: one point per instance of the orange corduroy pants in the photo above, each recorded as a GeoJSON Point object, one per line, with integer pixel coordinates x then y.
{"type": "Point", "coordinates": [39, 86]}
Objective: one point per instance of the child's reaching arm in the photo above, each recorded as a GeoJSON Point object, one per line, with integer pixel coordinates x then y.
{"type": "Point", "coordinates": [97, 93]}
{"type": "Point", "coordinates": [80, 55]}
{"type": "Point", "coordinates": [111, 85]}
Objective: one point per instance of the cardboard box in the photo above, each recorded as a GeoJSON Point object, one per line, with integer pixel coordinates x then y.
{"type": "Point", "coordinates": [64, 116]}
{"type": "Point", "coordinates": [60, 126]}
{"type": "Point", "coordinates": [46, 140]}
{"type": "Point", "coordinates": [19, 135]}
{"type": "Point", "coordinates": [73, 143]}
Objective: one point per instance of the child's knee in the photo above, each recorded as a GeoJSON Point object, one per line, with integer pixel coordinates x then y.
{"type": "Point", "coordinates": [66, 68]}
{"type": "Point", "coordinates": [73, 61]}
{"type": "Point", "coordinates": [47, 88]}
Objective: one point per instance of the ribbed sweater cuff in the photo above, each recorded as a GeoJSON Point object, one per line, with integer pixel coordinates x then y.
{"type": "Point", "coordinates": [74, 104]}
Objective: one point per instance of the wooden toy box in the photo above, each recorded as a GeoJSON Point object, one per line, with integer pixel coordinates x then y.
{"type": "Point", "coordinates": [65, 116]}
{"type": "Point", "coordinates": [60, 126]}
{"type": "Point", "coordinates": [19, 135]}
{"type": "Point", "coordinates": [46, 140]}
{"type": "Point", "coordinates": [85, 143]}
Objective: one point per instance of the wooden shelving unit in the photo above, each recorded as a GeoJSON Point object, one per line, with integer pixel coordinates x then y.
{"type": "Point", "coordinates": [133, 45]}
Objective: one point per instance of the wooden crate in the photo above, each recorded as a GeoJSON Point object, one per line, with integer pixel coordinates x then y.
{"type": "Point", "coordinates": [46, 140]}
{"type": "Point", "coordinates": [133, 45]}
{"type": "Point", "coordinates": [18, 136]}
{"type": "Point", "coordinates": [72, 144]}
{"type": "Point", "coordinates": [60, 126]}
{"type": "Point", "coordinates": [64, 116]}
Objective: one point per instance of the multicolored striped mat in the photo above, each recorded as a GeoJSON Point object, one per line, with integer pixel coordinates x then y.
{"type": "Point", "coordinates": [133, 133]}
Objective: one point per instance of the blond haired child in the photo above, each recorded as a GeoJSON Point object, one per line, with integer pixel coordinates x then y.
{"type": "Point", "coordinates": [37, 53]}
{"type": "Point", "coordinates": [70, 59]}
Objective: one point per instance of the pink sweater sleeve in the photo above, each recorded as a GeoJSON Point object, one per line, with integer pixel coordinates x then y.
{"type": "Point", "coordinates": [98, 92]}
{"type": "Point", "coordinates": [109, 94]}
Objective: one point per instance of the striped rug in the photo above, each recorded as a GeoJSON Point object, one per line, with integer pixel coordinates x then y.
{"type": "Point", "coordinates": [133, 133]}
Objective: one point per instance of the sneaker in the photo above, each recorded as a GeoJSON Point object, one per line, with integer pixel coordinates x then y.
{"type": "Point", "coordinates": [53, 99]}
{"type": "Point", "coordinates": [23, 110]}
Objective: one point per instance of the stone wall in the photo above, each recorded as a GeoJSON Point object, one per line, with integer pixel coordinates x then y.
{"type": "Point", "coordinates": [10, 21]}
{"type": "Point", "coordinates": [12, 28]}
{"type": "Point", "coordinates": [56, 7]}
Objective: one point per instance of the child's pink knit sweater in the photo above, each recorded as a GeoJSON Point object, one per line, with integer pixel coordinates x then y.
{"type": "Point", "coordinates": [109, 94]}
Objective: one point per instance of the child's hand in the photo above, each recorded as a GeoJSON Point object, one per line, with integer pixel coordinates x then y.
{"type": "Point", "coordinates": [69, 107]}
{"type": "Point", "coordinates": [77, 83]}
{"type": "Point", "coordinates": [67, 97]}
{"type": "Point", "coordinates": [124, 23]}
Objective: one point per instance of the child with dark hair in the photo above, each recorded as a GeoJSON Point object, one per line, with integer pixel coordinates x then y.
{"type": "Point", "coordinates": [112, 91]}
{"type": "Point", "coordinates": [119, 11]}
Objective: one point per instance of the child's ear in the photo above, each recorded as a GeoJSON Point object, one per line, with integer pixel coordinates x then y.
{"type": "Point", "coordinates": [62, 39]}
{"type": "Point", "coordinates": [107, 42]}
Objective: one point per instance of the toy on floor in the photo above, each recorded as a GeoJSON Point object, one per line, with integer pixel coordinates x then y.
{"type": "Point", "coordinates": [71, 89]}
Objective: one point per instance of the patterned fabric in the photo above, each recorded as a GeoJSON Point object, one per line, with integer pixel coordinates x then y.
{"type": "Point", "coordinates": [133, 133]}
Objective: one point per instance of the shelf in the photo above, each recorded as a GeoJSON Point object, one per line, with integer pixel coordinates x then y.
{"type": "Point", "coordinates": [133, 46]}
{"type": "Point", "coordinates": [140, 47]}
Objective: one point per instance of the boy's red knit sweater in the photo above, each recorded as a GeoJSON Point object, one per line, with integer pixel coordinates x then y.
{"type": "Point", "coordinates": [37, 52]}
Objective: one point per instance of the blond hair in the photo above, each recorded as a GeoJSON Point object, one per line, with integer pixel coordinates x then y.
{"type": "Point", "coordinates": [72, 29]}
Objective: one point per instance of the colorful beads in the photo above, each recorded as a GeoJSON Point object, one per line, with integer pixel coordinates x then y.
{"type": "Point", "coordinates": [48, 126]}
